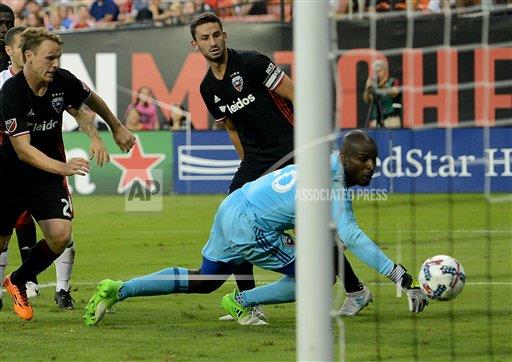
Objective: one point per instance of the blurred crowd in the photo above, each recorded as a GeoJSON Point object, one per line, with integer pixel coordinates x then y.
{"type": "Point", "coordinates": [62, 15]}
{"type": "Point", "coordinates": [427, 6]}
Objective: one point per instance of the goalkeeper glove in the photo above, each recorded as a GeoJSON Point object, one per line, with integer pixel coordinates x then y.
{"type": "Point", "coordinates": [415, 296]}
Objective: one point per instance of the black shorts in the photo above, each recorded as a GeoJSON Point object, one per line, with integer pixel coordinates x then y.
{"type": "Point", "coordinates": [250, 171]}
{"type": "Point", "coordinates": [11, 207]}
{"type": "Point", "coordinates": [51, 201]}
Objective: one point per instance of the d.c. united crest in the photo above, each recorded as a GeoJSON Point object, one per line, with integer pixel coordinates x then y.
{"type": "Point", "coordinates": [57, 104]}
{"type": "Point", "coordinates": [238, 82]}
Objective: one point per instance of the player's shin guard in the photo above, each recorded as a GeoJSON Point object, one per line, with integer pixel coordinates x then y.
{"type": "Point", "coordinates": [282, 291]}
{"type": "Point", "coordinates": [166, 281]}
{"type": "Point", "coordinates": [64, 266]}
{"type": "Point", "coordinates": [40, 258]}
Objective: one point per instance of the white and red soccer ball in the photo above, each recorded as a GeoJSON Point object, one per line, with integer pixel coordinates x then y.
{"type": "Point", "coordinates": [442, 277]}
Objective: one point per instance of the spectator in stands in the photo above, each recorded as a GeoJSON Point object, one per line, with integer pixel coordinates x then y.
{"type": "Point", "coordinates": [436, 6]}
{"type": "Point", "coordinates": [156, 9]}
{"type": "Point", "coordinates": [213, 4]}
{"type": "Point", "coordinates": [142, 115]}
{"type": "Point", "coordinates": [84, 19]}
{"type": "Point", "coordinates": [55, 22]}
{"type": "Point", "coordinates": [176, 8]}
{"type": "Point", "coordinates": [177, 120]}
{"type": "Point", "coordinates": [382, 93]}
{"type": "Point", "coordinates": [104, 11]}
{"type": "Point", "coordinates": [140, 4]}
{"type": "Point", "coordinates": [34, 20]}
{"type": "Point", "coordinates": [201, 6]}
{"type": "Point", "coordinates": [65, 19]}
{"type": "Point", "coordinates": [159, 13]}
{"type": "Point", "coordinates": [189, 8]}
{"type": "Point", "coordinates": [31, 6]}
{"type": "Point", "coordinates": [258, 8]}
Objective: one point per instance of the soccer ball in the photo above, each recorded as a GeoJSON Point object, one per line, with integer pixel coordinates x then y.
{"type": "Point", "coordinates": [442, 277]}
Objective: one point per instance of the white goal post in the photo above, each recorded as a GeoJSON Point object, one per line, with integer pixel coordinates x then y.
{"type": "Point", "coordinates": [313, 116]}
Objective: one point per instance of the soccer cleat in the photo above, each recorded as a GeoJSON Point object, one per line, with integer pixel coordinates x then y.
{"type": "Point", "coordinates": [1, 304]}
{"type": "Point", "coordinates": [243, 315]}
{"type": "Point", "coordinates": [32, 289]}
{"type": "Point", "coordinates": [64, 300]}
{"type": "Point", "coordinates": [258, 317]}
{"type": "Point", "coordinates": [19, 297]}
{"type": "Point", "coordinates": [102, 301]}
{"type": "Point", "coordinates": [226, 317]}
{"type": "Point", "coordinates": [257, 312]}
{"type": "Point", "coordinates": [356, 301]}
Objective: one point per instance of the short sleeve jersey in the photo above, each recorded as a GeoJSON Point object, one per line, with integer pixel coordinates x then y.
{"type": "Point", "coordinates": [22, 112]}
{"type": "Point", "coordinates": [270, 203]}
{"type": "Point", "coordinates": [263, 119]}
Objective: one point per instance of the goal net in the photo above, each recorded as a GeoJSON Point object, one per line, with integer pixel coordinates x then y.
{"type": "Point", "coordinates": [443, 183]}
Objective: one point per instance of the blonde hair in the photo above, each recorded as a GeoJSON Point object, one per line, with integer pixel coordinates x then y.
{"type": "Point", "coordinates": [32, 38]}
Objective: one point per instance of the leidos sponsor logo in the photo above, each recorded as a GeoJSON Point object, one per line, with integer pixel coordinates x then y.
{"type": "Point", "coordinates": [45, 126]}
{"type": "Point", "coordinates": [238, 104]}
{"type": "Point", "coordinates": [270, 68]}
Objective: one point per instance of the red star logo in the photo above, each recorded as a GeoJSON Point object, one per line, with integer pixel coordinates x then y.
{"type": "Point", "coordinates": [136, 166]}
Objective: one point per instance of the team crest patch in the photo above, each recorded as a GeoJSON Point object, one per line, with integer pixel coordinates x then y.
{"type": "Point", "coordinates": [238, 82]}
{"type": "Point", "coordinates": [11, 125]}
{"type": "Point", "coordinates": [57, 104]}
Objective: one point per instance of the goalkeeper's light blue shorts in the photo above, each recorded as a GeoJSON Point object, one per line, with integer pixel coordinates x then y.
{"type": "Point", "coordinates": [234, 238]}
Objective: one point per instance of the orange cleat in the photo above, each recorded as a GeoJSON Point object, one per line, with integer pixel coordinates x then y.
{"type": "Point", "coordinates": [19, 297]}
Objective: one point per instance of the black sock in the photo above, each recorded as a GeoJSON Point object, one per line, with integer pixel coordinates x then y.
{"type": "Point", "coordinates": [26, 234]}
{"type": "Point", "coordinates": [244, 276]}
{"type": "Point", "coordinates": [40, 258]}
{"type": "Point", "coordinates": [26, 238]}
{"type": "Point", "coordinates": [351, 282]}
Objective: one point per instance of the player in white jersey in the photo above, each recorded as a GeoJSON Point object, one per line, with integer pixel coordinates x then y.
{"type": "Point", "coordinates": [250, 226]}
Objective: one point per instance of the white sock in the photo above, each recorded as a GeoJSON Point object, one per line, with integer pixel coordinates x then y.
{"type": "Point", "coordinates": [64, 267]}
{"type": "Point", "coordinates": [3, 266]}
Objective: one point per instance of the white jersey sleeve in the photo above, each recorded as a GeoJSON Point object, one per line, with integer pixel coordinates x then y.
{"type": "Point", "coordinates": [4, 76]}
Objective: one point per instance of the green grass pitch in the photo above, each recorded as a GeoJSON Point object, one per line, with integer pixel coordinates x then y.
{"type": "Point", "coordinates": [111, 243]}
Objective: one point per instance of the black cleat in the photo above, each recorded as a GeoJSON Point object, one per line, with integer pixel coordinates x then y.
{"type": "Point", "coordinates": [64, 300]}
{"type": "Point", "coordinates": [1, 304]}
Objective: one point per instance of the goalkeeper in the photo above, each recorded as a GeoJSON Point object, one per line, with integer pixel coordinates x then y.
{"type": "Point", "coordinates": [250, 226]}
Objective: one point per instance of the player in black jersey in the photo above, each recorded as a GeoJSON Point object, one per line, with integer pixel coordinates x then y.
{"type": "Point", "coordinates": [25, 227]}
{"type": "Point", "coordinates": [6, 22]}
{"type": "Point", "coordinates": [33, 161]}
{"type": "Point", "coordinates": [253, 97]}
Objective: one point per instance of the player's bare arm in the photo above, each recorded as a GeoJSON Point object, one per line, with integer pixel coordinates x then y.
{"type": "Point", "coordinates": [31, 155]}
{"type": "Point", "coordinates": [286, 88]}
{"type": "Point", "coordinates": [233, 135]}
{"type": "Point", "coordinates": [85, 121]}
{"type": "Point", "coordinates": [122, 136]}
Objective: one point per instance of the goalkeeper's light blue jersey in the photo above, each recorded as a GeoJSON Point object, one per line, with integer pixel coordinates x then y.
{"type": "Point", "coordinates": [270, 202]}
